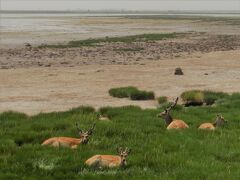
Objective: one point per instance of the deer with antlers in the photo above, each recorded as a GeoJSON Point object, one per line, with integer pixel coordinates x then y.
{"type": "Point", "coordinates": [110, 161]}
{"type": "Point", "coordinates": [170, 122]}
{"type": "Point", "coordinates": [212, 126]}
{"type": "Point", "coordinates": [68, 141]}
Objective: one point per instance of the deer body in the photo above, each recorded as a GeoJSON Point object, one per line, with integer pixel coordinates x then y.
{"type": "Point", "coordinates": [68, 141]}
{"type": "Point", "coordinates": [109, 161]}
{"type": "Point", "coordinates": [209, 126]}
{"type": "Point", "coordinates": [170, 122]}
{"type": "Point", "coordinates": [63, 142]}
{"type": "Point", "coordinates": [177, 124]}
{"type": "Point", "coordinates": [212, 126]}
{"type": "Point", "coordinates": [104, 161]}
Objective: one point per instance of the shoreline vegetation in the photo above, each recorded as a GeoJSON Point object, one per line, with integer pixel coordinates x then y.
{"type": "Point", "coordinates": [123, 39]}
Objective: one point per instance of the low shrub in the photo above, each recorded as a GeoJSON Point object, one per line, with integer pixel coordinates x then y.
{"type": "Point", "coordinates": [194, 97]}
{"type": "Point", "coordinates": [142, 95]}
{"type": "Point", "coordinates": [131, 92]}
{"type": "Point", "coordinates": [210, 96]}
{"type": "Point", "coordinates": [122, 92]}
{"type": "Point", "coordinates": [197, 97]}
{"type": "Point", "coordinates": [162, 99]}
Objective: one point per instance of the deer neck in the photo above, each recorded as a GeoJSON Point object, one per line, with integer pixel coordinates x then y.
{"type": "Point", "coordinates": [168, 119]}
{"type": "Point", "coordinates": [122, 163]}
{"type": "Point", "coordinates": [217, 123]}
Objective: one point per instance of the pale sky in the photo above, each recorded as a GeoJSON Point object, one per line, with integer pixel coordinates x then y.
{"type": "Point", "coordinates": [120, 4]}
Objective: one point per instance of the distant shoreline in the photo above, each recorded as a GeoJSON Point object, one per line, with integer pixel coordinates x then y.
{"type": "Point", "coordinates": [117, 12]}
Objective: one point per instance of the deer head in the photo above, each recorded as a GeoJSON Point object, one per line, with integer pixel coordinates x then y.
{"type": "Point", "coordinates": [219, 121]}
{"type": "Point", "coordinates": [84, 135]}
{"type": "Point", "coordinates": [123, 154]}
{"type": "Point", "coordinates": [166, 113]}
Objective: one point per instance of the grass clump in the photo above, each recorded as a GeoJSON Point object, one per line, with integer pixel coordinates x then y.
{"type": "Point", "coordinates": [198, 97]}
{"type": "Point", "coordinates": [123, 39]}
{"type": "Point", "coordinates": [122, 92]}
{"type": "Point", "coordinates": [142, 95]}
{"type": "Point", "coordinates": [210, 96]}
{"type": "Point", "coordinates": [162, 99]}
{"type": "Point", "coordinates": [131, 92]}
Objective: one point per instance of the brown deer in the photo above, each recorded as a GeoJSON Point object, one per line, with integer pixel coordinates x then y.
{"type": "Point", "coordinates": [109, 161]}
{"type": "Point", "coordinates": [68, 141]}
{"type": "Point", "coordinates": [212, 126]}
{"type": "Point", "coordinates": [170, 122]}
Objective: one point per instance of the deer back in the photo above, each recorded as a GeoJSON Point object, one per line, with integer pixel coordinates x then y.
{"type": "Point", "coordinates": [104, 161]}
{"type": "Point", "coordinates": [177, 124]}
{"type": "Point", "coordinates": [209, 126]}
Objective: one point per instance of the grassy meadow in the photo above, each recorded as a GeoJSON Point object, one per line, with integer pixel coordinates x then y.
{"type": "Point", "coordinates": [157, 153]}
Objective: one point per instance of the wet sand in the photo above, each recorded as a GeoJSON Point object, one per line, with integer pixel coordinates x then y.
{"type": "Point", "coordinates": [34, 90]}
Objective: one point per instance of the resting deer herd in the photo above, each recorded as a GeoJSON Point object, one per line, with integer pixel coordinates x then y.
{"type": "Point", "coordinates": [119, 160]}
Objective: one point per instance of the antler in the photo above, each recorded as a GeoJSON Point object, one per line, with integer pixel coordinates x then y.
{"type": "Point", "coordinates": [173, 105]}
{"type": "Point", "coordinates": [90, 131]}
{"type": "Point", "coordinates": [119, 150]}
{"type": "Point", "coordinates": [78, 128]}
{"type": "Point", "coordinates": [127, 150]}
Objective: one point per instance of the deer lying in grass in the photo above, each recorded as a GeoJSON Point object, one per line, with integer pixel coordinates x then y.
{"type": "Point", "coordinates": [68, 141]}
{"type": "Point", "coordinates": [103, 118]}
{"type": "Point", "coordinates": [109, 161]}
{"type": "Point", "coordinates": [172, 123]}
{"type": "Point", "coordinates": [211, 126]}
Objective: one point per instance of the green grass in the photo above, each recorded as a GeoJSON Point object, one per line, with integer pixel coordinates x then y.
{"type": "Point", "coordinates": [156, 152]}
{"type": "Point", "coordinates": [131, 92]}
{"type": "Point", "coordinates": [123, 39]}
{"type": "Point", "coordinates": [198, 97]}
{"type": "Point", "coordinates": [162, 99]}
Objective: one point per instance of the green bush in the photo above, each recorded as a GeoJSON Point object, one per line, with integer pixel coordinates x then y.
{"type": "Point", "coordinates": [142, 95]}
{"type": "Point", "coordinates": [210, 96]}
{"type": "Point", "coordinates": [197, 97]}
{"type": "Point", "coordinates": [122, 92]}
{"type": "Point", "coordinates": [162, 99]}
{"type": "Point", "coordinates": [131, 92]}
{"type": "Point", "coordinates": [193, 97]}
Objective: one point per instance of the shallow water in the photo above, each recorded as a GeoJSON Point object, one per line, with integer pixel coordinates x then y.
{"type": "Point", "coordinates": [15, 22]}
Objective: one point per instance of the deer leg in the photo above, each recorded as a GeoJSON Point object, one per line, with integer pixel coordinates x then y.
{"type": "Point", "coordinates": [56, 144]}
{"type": "Point", "coordinates": [74, 147]}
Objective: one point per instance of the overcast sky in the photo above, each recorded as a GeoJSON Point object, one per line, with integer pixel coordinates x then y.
{"type": "Point", "coordinates": [120, 4]}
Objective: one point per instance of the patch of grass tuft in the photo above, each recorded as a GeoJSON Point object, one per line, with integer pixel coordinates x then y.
{"type": "Point", "coordinates": [210, 96]}
{"type": "Point", "coordinates": [142, 95]}
{"type": "Point", "coordinates": [124, 39]}
{"type": "Point", "coordinates": [131, 92]}
{"type": "Point", "coordinates": [198, 97]}
{"type": "Point", "coordinates": [162, 99]}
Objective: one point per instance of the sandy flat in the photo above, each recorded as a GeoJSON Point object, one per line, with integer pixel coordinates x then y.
{"type": "Point", "coordinates": [40, 30]}
{"type": "Point", "coordinates": [34, 90]}
{"type": "Point", "coordinates": [43, 80]}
